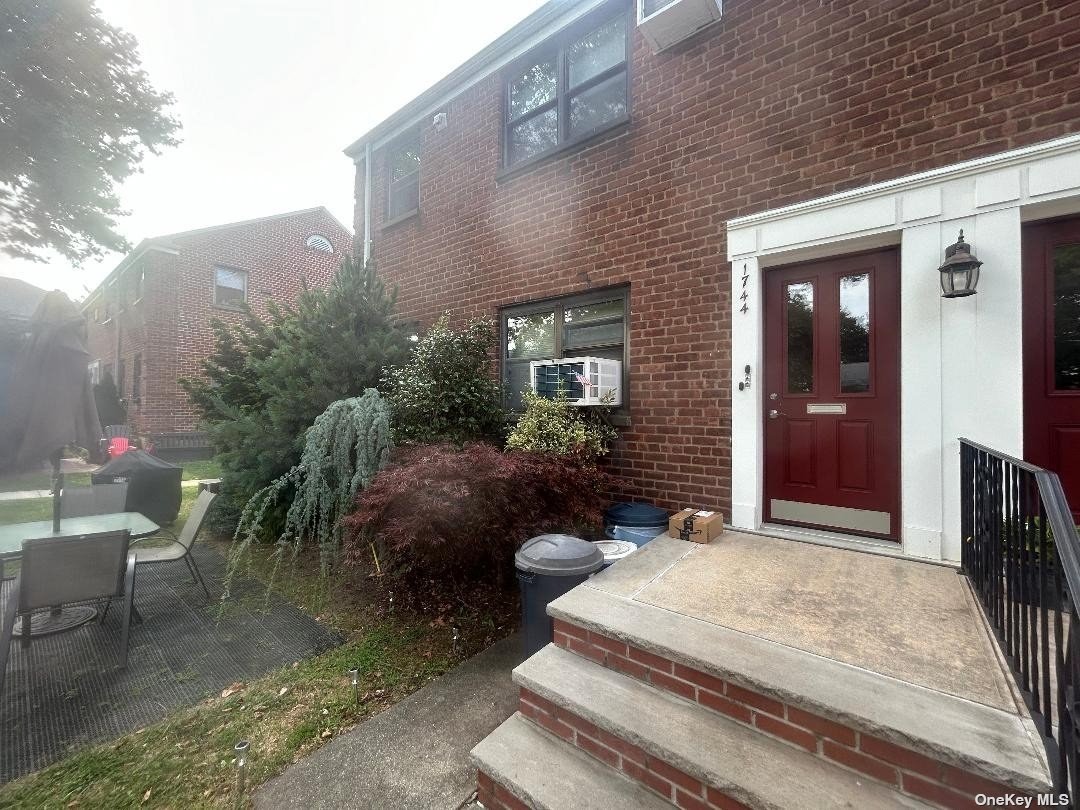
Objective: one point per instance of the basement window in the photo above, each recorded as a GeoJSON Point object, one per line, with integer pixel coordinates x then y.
{"type": "Point", "coordinates": [571, 89]}
{"type": "Point", "coordinates": [230, 287]}
{"type": "Point", "coordinates": [403, 180]}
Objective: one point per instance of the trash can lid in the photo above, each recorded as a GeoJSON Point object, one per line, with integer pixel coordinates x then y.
{"type": "Point", "coordinates": [134, 460]}
{"type": "Point", "coordinates": [636, 514]}
{"type": "Point", "coordinates": [638, 535]}
{"type": "Point", "coordinates": [615, 549]}
{"type": "Point", "coordinates": [559, 555]}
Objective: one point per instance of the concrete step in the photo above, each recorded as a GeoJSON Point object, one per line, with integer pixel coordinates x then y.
{"type": "Point", "coordinates": [545, 773]}
{"type": "Point", "coordinates": [983, 742]}
{"type": "Point", "coordinates": [739, 762]}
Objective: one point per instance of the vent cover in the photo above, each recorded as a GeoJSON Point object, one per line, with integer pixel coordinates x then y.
{"type": "Point", "coordinates": [320, 243]}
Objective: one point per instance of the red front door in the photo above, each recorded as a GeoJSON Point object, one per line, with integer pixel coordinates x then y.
{"type": "Point", "coordinates": [1052, 351]}
{"type": "Point", "coordinates": [832, 394]}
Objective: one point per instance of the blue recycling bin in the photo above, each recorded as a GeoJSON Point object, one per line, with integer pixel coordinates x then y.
{"type": "Point", "coordinates": [637, 523]}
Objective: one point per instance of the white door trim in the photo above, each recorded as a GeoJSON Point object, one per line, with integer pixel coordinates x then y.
{"type": "Point", "coordinates": [961, 360]}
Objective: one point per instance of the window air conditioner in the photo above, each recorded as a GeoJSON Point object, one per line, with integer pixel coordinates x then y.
{"type": "Point", "coordinates": [583, 380]}
{"type": "Point", "coordinates": [665, 22]}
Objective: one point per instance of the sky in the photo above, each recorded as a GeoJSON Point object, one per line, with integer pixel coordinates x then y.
{"type": "Point", "coordinates": [269, 93]}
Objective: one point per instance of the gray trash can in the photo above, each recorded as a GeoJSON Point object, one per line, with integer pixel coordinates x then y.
{"type": "Point", "coordinates": [547, 567]}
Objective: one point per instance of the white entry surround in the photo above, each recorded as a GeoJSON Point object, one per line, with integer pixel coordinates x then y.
{"type": "Point", "coordinates": [960, 359]}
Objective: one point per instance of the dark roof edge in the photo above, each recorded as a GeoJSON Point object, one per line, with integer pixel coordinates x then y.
{"type": "Point", "coordinates": [162, 242]}
{"type": "Point", "coordinates": [476, 67]}
{"type": "Point", "coordinates": [243, 222]}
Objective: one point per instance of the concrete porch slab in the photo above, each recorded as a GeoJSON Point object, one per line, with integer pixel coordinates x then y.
{"type": "Point", "coordinates": [908, 620]}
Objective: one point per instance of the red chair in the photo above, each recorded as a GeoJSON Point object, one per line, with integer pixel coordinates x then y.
{"type": "Point", "coordinates": [118, 446]}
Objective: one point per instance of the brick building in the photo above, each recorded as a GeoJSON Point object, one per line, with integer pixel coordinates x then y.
{"type": "Point", "coordinates": [606, 186]}
{"type": "Point", "coordinates": [150, 319]}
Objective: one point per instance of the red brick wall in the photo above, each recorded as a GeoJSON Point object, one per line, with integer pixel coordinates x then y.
{"type": "Point", "coordinates": [171, 326]}
{"type": "Point", "coordinates": [784, 100]}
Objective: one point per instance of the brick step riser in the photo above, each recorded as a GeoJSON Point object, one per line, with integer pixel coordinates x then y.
{"type": "Point", "coordinates": [494, 796]}
{"type": "Point", "coordinates": [667, 781]}
{"type": "Point", "coordinates": [905, 770]}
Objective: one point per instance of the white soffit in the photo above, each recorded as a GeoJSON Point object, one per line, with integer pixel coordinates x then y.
{"type": "Point", "coordinates": [1029, 175]}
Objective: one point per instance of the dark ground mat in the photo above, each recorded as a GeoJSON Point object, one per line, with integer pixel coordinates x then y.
{"type": "Point", "coordinates": [65, 691]}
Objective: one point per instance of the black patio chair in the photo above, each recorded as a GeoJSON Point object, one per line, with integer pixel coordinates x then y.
{"type": "Point", "coordinates": [96, 499]}
{"type": "Point", "coordinates": [58, 571]}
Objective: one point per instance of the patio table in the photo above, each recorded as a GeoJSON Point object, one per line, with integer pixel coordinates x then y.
{"type": "Point", "coordinates": [13, 535]}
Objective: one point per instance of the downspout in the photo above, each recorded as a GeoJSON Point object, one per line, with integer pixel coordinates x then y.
{"type": "Point", "coordinates": [367, 202]}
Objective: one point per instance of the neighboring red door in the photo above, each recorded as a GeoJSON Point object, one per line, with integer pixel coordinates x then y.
{"type": "Point", "coordinates": [1052, 351]}
{"type": "Point", "coordinates": [832, 394]}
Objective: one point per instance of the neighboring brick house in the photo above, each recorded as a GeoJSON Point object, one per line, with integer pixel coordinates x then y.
{"type": "Point", "coordinates": [581, 186]}
{"type": "Point", "coordinates": [150, 319]}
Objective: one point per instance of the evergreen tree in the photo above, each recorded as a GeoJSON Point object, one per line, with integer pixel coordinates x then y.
{"type": "Point", "coordinates": [266, 383]}
{"type": "Point", "coordinates": [110, 408]}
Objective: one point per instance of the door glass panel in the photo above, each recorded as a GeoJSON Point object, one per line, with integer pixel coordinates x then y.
{"type": "Point", "coordinates": [855, 333]}
{"type": "Point", "coordinates": [531, 335]}
{"type": "Point", "coordinates": [800, 338]}
{"type": "Point", "coordinates": [1067, 318]}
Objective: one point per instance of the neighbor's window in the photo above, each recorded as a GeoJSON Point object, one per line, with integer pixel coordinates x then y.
{"type": "Point", "coordinates": [403, 179]}
{"type": "Point", "coordinates": [230, 287]}
{"type": "Point", "coordinates": [572, 89]}
{"type": "Point", "coordinates": [590, 325]}
{"type": "Point", "coordinates": [137, 280]}
{"type": "Point", "coordinates": [136, 379]}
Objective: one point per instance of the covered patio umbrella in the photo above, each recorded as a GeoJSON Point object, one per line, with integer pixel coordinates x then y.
{"type": "Point", "coordinates": [51, 404]}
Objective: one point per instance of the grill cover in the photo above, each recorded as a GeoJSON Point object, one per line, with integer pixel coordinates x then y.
{"type": "Point", "coordinates": [153, 485]}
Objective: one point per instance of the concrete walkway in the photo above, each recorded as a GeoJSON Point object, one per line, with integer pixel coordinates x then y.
{"type": "Point", "coordinates": [413, 756]}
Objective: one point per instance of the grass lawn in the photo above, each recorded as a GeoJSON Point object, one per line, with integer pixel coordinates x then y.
{"type": "Point", "coordinates": [186, 760]}
{"type": "Point", "coordinates": [23, 511]}
{"type": "Point", "coordinates": [42, 479]}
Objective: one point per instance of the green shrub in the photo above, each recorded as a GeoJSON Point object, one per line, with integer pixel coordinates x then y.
{"type": "Point", "coordinates": [267, 381]}
{"type": "Point", "coordinates": [556, 426]}
{"type": "Point", "coordinates": [446, 391]}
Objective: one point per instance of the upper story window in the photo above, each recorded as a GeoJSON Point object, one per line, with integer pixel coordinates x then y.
{"type": "Point", "coordinates": [403, 179]}
{"type": "Point", "coordinates": [230, 287]}
{"type": "Point", "coordinates": [571, 89]}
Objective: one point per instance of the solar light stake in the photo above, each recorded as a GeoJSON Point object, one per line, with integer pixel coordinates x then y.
{"type": "Point", "coordinates": [391, 601]}
{"type": "Point", "coordinates": [354, 676]}
{"type": "Point", "coordinates": [457, 638]}
{"type": "Point", "coordinates": [241, 749]}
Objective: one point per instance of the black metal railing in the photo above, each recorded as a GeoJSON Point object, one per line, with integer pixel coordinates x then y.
{"type": "Point", "coordinates": [1022, 555]}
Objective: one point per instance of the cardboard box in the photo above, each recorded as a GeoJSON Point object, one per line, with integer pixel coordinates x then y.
{"type": "Point", "coordinates": [708, 525]}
